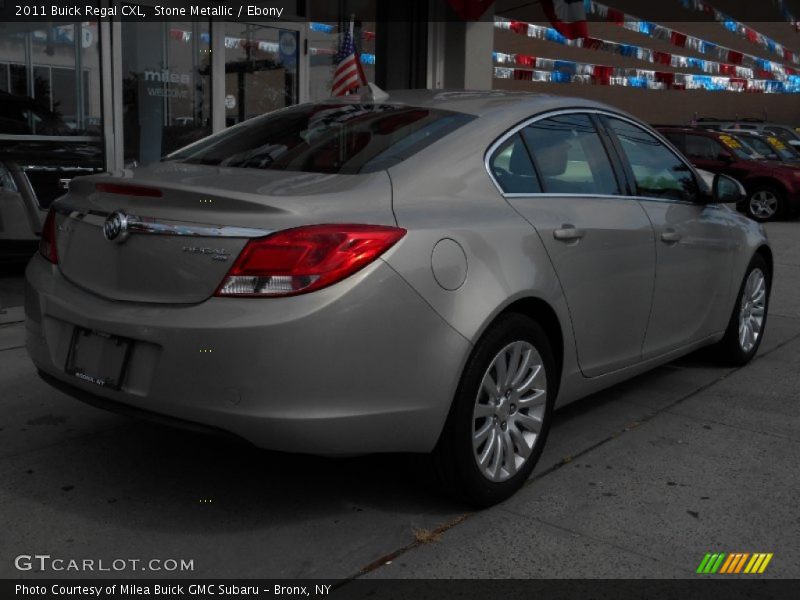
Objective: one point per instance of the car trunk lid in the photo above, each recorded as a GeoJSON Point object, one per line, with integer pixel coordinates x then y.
{"type": "Point", "coordinates": [185, 224]}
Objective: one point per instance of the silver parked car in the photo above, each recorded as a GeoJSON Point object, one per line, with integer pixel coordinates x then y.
{"type": "Point", "coordinates": [434, 272]}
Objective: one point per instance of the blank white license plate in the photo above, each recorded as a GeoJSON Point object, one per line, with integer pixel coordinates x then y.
{"type": "Point", "coordinates": [98, 358]}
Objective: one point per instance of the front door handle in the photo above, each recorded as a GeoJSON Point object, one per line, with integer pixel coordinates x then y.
{"type": "Point", "coordinates": [670, 236]}
{"type": "Point", "coordinates": [568, 233]}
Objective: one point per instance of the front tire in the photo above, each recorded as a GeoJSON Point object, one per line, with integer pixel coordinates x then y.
{"type": "Point", "coordinates": [749, 319]}
{"type": "Point", "coordinates": [765, 203]}
{"type": "Point", "coordinates": [501, 414]}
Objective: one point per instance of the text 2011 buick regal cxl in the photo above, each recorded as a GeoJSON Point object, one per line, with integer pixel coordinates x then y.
{"type": "Point", "coordinates": [433, 272]}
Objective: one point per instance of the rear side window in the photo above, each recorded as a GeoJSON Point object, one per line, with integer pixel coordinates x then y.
{"type": "Point", "coordinates": [657, 170]}
{"type": "Point", "coordinates": [330, 137]}
{"type": "Point", "coordinates": [570, 156]}
{"type": "Point", "coordinates": [700, 146]}
{"type": "Point", "coordinates": [512, 168]}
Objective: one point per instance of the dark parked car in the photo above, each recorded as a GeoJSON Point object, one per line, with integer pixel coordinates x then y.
{"type": "Point", "coordinates": [39, 156]}
{"type": "Point", "coordinates": [773, 187]}
{"type": "Point", "coordinates": [767, 146]}
{"type": "Point", "coordinates": [783, 132]}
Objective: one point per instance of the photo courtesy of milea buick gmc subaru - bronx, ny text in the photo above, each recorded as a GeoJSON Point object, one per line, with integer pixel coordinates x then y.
{"type": "Point", "coordinates": [433, 272]}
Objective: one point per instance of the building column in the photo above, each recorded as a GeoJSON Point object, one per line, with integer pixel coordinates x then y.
{"type": "Point", "coordinates": [468, 53]}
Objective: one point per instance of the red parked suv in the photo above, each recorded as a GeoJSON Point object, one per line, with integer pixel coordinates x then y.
{"type": "Point", "coordinates": [773, 188]}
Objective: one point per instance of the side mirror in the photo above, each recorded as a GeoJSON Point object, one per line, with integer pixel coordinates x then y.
{"type": "Point", "coordinates": [726, 190]}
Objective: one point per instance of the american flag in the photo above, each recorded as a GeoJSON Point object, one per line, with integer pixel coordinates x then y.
{"type": "Point", "coordinates": [349, 73]}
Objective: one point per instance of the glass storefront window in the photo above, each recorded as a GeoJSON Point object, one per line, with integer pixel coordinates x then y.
{"type": "Point", "coordinates": [166, 87]}
{"type": "Point", "coordinates": [260, 70]}
{"type": "Point", "coordinates": [45, 72]}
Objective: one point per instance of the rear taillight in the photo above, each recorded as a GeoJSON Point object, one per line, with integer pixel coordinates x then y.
{"type": "Point", "coordinates": [297, 261]}
{"type": "Point", "coordinates": [47, 245]}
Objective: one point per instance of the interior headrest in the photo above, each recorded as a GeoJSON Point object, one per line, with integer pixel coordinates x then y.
{"type": "Point", "coordinates": [552, 159]}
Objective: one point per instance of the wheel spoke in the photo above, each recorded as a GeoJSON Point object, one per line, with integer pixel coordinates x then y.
{"type": "Point", "coordinates": [498, 455]}
{"type": "Point", "coordinates": [501, 369]}
{"type": "Point", "coordinates": [488, 450]}
{"type": "Point", "coordinates": [523, 449]}
{"type": "Point", "coordinates": [524, 367]}
{"type": "Point", "coordinates": [525, 385]}
{"type": "Point", "coordinates": [490, 387]}
{"type": "Point", "coordinates": [529, 422]}
{"type": "Point", "coordinates": [482, 433]}
{"type": "Point", "coordinates": [483, 410]}
{"type": "Point", "coordinates": [537, 397]}
{"type": "Point", "coordinates": [510, 462]}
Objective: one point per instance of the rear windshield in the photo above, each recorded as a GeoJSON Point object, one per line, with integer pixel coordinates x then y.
{"type": "Point", "coordinates": [329, 137]}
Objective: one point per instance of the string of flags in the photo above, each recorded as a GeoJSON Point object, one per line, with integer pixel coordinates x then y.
{"type": "Point", "coordinates": [331, 29]}
{"type": "Point", "coordinates": [682, 40]}
{"type": "Point", "coordinates": [644, 54]}
{"type": "Point", "coordinates": [738, 73]}
{"type": "Point", "coordinates": [546, 70]}
{"type": "Point", "coordinates": [743, 31]}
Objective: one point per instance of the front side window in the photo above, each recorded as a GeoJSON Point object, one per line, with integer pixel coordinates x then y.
{"type": "Point", "coordinates": [329, 137]}
{"type": "Point", "coordinates": [512, 168]}
{"type": "Point", "coordinates": [570, 157]}
{"type": "Point", "coordinates": [657, 171]}
{"type": "Point", "coordinates": [703, 147]}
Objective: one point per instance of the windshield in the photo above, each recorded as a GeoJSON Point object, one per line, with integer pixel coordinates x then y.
{"type": "Point", "coordinates": [735, 145]}
{"type": "Point", "coordinates": [783, 133]}
{"type": "Point", "coordinates": [330, 137]}
{"type": "Point", "coordinates": [783, 150]}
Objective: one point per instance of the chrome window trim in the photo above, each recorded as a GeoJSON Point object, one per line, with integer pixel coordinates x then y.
{"type": "Point", "coordinates": [152, 226]}
{"type": "Point", "coordinates": [571, 111]}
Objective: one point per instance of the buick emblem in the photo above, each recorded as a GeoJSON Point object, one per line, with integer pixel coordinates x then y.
{"type": "Point", "coordinates": [115, 229]}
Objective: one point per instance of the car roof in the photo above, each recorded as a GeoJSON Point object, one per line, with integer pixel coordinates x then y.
{"type": "Point", "coordinates": [481, 103]}
{"type": "Point", "coordinates": [685, 129]}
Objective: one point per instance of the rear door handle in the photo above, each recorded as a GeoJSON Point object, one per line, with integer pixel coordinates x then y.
{"type": "Point", "coordinates": [568, 233]}
{"type": "Point", "coordinates": [670, 236]}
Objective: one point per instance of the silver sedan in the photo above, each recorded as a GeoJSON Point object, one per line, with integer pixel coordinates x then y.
{"type": "Point", "coordinates": [433, 272]}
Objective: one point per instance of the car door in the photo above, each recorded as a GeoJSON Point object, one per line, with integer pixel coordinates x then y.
{"type": "Point", "coordinates": [557, 173]}
{"type": "Point", "coordinates": [693, 241]}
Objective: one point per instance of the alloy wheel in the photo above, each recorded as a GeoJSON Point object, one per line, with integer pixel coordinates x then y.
{"type": "Point", "coordinates": [509, 411]}
{"type": "Point", "coordinates": [764, 204]}
{"type": "Point", "coordinates": [752, 310]}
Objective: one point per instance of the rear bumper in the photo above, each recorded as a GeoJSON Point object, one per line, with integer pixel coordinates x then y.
{"type": "Point", "coordinates": [363, 366]}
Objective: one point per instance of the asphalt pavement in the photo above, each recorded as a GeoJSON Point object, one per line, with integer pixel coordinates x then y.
{"type": "Point", "coordinates": [641, 480]}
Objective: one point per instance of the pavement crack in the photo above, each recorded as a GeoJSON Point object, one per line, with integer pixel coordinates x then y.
{"type": "Point", "coordinates": [434, 534]}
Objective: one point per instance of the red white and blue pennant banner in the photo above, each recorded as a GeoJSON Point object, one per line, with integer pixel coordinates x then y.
{"type": "Point", "coordinates": [744, 31]}
{"type": "Point", "coordinates": [546, 70]}
{"type": "Point", "coordinates": [682, 40]}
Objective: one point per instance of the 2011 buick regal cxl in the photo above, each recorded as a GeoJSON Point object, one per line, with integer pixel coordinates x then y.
{"type": "Point", "coordinates": [432, 272]}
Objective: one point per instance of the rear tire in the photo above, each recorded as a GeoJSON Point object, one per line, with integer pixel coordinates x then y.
{"type": "Point", "coordinates": [501, 413]}
{"type": "Point", "coordinates": [749, 319]}
{"type": "Point", "coordinates": [765, 203]}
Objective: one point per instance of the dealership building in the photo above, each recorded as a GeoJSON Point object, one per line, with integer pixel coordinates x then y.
{"type": "Point", "coordinates": [138, 89]}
